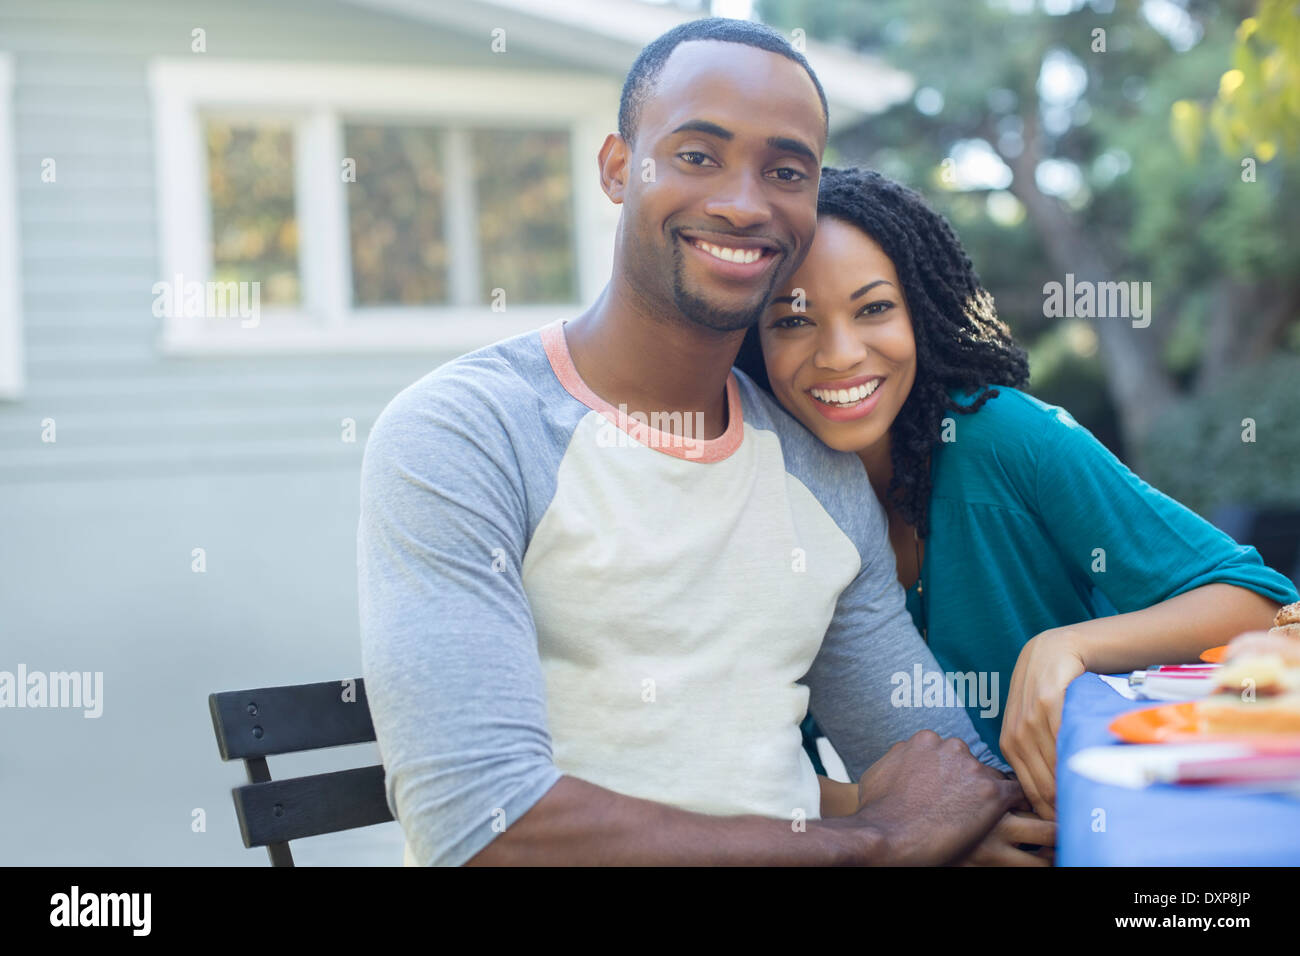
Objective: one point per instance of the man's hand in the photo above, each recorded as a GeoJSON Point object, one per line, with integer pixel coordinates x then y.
{"type": "Point", "coordinates": [1046, 665]}
{"type": "Point", "coordinates": [932, 801]}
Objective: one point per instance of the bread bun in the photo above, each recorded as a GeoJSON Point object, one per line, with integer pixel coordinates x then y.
{"type": "Point", "coordinates": [1288, 615]}
{"type": "Point", "coordinates": [1263, 643]}
{"type": "Point", "coordinates": [1229, 714]}
{"type": "Point", "coordinates": [1268, 674]}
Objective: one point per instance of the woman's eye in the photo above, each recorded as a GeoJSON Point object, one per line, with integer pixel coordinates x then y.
{"type": "Point", "coordinates": [876, 308]}
{"type": "Point", "coordinates": [785, 322]}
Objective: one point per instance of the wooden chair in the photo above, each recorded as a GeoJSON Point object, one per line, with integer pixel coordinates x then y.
{"type": "Point", "coordinates": [253, 724]}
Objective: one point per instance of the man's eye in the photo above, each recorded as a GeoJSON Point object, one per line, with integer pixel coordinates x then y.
{"type": "Point", "coordinates": [695, 157]}
{"type": "Point", "coordinates": [784, 322]}
{"type": "Point", "coordinates": [789, 175]}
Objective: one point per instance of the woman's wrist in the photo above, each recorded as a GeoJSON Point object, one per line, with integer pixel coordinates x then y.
{"type": "Point", "coordinates": [838, 799]}
{"type": "Point", "coordinates": [1068, 640]}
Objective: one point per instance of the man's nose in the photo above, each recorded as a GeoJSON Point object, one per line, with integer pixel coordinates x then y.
{"type": "Point", "coordinates": [741, 200]}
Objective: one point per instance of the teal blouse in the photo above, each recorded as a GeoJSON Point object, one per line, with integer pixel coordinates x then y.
{"type": "Point", "coordinates": [1034, 524]}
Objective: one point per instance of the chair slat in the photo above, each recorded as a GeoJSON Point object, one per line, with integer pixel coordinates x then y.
{"type": "Point", "coordinates": [281, 810]}
{"type": "Point", "coordinates": [281, 720]}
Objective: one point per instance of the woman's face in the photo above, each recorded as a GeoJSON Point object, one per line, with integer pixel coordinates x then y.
{"type": "Point", "coordinates": [846, 363]}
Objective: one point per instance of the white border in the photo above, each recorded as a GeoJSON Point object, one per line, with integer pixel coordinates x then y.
{"type": "Point", "coordinates": [12, 376]}
{"type": "Point", "coordinates": [320, 96]}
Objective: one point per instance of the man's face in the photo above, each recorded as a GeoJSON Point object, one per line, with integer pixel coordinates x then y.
{"type": "Point", "coordinates": [726, 209]}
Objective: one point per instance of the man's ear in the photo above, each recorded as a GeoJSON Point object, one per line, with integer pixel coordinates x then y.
{"type": "Point", "coordinates": [613, 159]}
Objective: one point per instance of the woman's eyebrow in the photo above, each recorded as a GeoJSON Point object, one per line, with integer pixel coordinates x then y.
{"type": "Point", "coordinates": [862, 292]}
{"type": "Point", "coordinates": [868, 287]}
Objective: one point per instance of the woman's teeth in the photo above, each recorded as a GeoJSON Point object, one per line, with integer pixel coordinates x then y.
{"type": "Point", "coordinates": [727, 254]}
{"type": "Point", "coordinates": [845, 397]}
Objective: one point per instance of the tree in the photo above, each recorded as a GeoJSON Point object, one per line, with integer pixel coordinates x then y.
{"type": "Point", "coordinates": [1072, 110]}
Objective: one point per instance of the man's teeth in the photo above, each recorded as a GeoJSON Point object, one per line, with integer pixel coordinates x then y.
{"type": "Point", "coordinates": [729, 255]}
{"type": "Point", "coordinates": [845, 396]}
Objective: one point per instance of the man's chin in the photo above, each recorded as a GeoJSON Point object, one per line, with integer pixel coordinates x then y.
{"type": "Point", "coordinates": [717, 316]}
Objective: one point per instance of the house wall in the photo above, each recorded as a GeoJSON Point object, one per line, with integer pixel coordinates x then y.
{"type": "Point", "coordinates": [156, 456]}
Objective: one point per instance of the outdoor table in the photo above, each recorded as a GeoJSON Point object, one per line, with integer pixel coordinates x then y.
{"type": "Point", "coordinates": [1164, 824]}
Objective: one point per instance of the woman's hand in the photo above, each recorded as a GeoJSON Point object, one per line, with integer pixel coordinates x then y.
{"type": "Point", "coordinates": [838, 799]}
{"type": "Point", "coordinates": [1046, 665]}
{"type": "Point", "coordinates": [1002, 846]}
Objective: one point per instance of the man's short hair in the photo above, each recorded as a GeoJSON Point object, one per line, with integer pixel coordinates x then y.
{"type": "Point", "coordinates": [640, 82]}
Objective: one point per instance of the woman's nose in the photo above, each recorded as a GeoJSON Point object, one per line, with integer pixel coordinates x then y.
{"type": "Point", "coordinates": [839, 346]}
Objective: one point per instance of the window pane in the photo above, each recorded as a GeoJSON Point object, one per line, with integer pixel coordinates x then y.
{"type": "Point", "coordinates": [525, 214]}
{"type": "Point", "coordinates": [396, 215]}
{"type": "Point", "coordinates": [254, 230]}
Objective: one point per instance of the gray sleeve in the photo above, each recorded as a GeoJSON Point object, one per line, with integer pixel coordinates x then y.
{"type": "Point", "coordinates": [852, 685]}
{"type": "Point", "coordinates": [449, 649]}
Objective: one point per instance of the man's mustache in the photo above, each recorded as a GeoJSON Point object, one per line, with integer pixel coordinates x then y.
{"type": "Point", "coordinates": [684, 232]}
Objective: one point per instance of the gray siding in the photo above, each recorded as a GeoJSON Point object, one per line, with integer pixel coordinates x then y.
{"type": "Point", "coordinates": [90, 258]}
{"type": "Point", "coordinates": [159, 455]}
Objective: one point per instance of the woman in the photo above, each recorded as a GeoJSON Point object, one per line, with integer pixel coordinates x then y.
{"type": "Point", "coordinates": [1029, 553]}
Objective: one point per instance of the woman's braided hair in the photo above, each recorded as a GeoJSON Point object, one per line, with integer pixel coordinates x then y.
{"type": "Point", "coordinates": [960, 341]}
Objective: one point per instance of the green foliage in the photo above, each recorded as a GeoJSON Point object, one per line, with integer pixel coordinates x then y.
{"type": "Point", "coordinates": [1194, 223]}
{"type": "Point", "coordinates": [254, 228]}
{"type": "Point", "coordinates": [1196, 453]}
{"type": "Point", "coordinates": [1257, 110]}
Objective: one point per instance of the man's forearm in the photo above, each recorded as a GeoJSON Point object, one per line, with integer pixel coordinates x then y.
{"type": "Point", "coordinates": [579, 823]}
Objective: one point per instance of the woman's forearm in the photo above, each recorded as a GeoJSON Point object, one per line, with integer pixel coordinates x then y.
{"type": "Point", "coordinates": [838, 799]}
{"type": "Point", "coordinates": [1171, 632]}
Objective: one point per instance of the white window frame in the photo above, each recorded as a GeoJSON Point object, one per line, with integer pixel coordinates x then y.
{"type": "Point", "coordinates": [12, 376]}
{"type": "Point", "coordinates": [322, 98]}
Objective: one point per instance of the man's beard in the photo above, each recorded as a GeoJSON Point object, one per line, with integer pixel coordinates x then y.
{"type": "Point", "coordinates": [702, 312]}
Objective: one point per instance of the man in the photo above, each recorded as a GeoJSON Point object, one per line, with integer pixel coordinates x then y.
{"type": "Point", "coordinates": [587, 639]}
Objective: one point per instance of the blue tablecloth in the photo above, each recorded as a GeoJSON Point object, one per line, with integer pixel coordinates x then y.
{"type": "Point", "coordinates": [1161, 825]}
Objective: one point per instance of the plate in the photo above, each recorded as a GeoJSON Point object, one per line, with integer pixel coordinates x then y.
{"type": "Point", "coordinates": [1215, 655]}
{"type": "Point", "coordinates": [1178, 723]}
{"type": "Point", "coordinates": [1136, 767]}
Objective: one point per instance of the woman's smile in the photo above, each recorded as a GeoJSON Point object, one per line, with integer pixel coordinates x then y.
{"type": "Point", "coordinates": [842, 402]}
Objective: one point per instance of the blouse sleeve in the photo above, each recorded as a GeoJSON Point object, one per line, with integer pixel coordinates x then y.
{"type": "Point", "coordinates": [1136, 545]}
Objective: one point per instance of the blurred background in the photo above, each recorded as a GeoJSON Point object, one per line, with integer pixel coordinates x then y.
{"type": "Point", "coordinates": [406, 180]}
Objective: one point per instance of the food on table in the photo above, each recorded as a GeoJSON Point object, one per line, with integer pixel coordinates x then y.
{"type": "Point", "coordinates": [1257, 689]}
{"type": "Point", "coordinates": [1287, 622]}
{"type": "Point", "coordinates": [1229, 714]}
{"type": "Point", "coordinates": [1266, 660]}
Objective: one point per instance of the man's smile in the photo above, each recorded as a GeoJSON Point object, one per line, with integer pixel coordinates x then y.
{"type": "Point", "coordinates": [732, 257]}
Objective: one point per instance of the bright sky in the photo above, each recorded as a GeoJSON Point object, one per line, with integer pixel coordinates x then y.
{"type": "Point", "coordinates": [736, 9]}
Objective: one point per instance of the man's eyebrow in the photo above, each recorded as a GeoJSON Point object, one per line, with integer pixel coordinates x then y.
{"type": "Point", "coordinates": [795, 146]}
{"type": "Point", "coordinates": [786, 143]}
{"type": "Point", "coordinates": [704, 126]}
